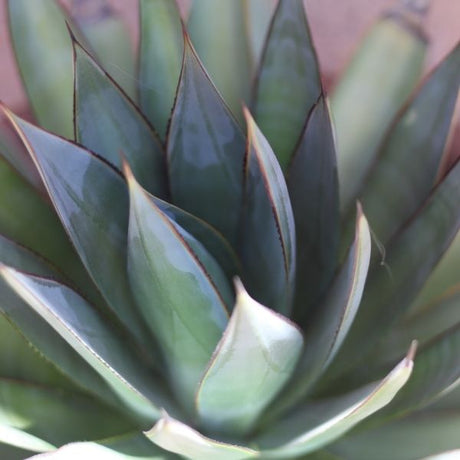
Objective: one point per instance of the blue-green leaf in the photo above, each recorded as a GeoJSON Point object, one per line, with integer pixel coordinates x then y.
{"type": "Point", "coordinates": [120, 127]}
{"type": "Point", "coordinates": [314, 192]}
{"type": "Point", "coordinates": [93, 205]}
{"type": "Point", "coordinates": [407, 166]}
{"type": "Point", "coordinates": [267, 230]}
{"type": "Point", "coordinates": [288, 83]}
{"type": "Point", "coordinates": [160, 57]}
{"type": "Point", "coordinates": [261, 348]}
{"type": "Point", "coordinates": [93, 339]}
{"type": "Point", "coordinates": [217, 30]}
{"type": "Point", "coordinates": [205, 151]}
{"type": "Point", "coordinates": [180, 301]}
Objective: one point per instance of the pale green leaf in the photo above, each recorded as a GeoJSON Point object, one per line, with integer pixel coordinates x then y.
{"type": "Point", "coordinates": [187, 321]}
{"type": "Point", "coordinates": [160, 57]}
{"type": "Point", "coordinates": [321, 422]}
{"type": "Point", "coordinates": [254, 359]}
{"type": "Point", "coordinates": [217, 30]}
{"type": "Point", "coordinates": [174, 436]}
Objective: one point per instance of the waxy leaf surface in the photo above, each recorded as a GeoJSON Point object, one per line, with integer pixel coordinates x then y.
{"type": "Point", "coordinates": [314, 192]}
{"type": "Point", "coordinates": [120, 127]}
{"type": "Point", "coordinates": [253, 361]}
{"type": "Point", "coordinates": [267, 245]}
{"type": "Point", "coordinates": [205, 151]}
{"type": "Point", "coordinates": [187, 321]}
{"type": "Point", "coordinates": [288, 83]}
{"type": "Point", "coordinates": [93, 205]}
{"type": "Point", "coordinates": [92, 337]}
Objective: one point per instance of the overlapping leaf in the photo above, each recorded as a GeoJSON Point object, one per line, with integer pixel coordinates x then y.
{"type": "Point", "coordinates": [410, 158]}
{"type": "Point", "coordinates": [253, 361]}
{"type": "Point", "coordinates": [206, 142]}
{"type": "Point", "coordinates": [288, 83]}
{"type": "Point", "coordinates": [92, 202]}
{"type": "Point", "coordinates": [267, 245]}
{"type": "Point", "coordinates": [217, 28]}
{"type": "Point", "coordinates": [160, 54]}
{"type": "Point", "coordinates": [314, 192]}
{"type": "Point", "coordinates": [120, 127]}
{"type": "Point", "coordinates": [92, 337]}
{"type": "Point", "coordinates": [181, 303]}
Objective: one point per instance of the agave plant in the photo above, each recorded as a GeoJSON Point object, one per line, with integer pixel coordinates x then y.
{"type": "Point", "coordinates": [178, 274]}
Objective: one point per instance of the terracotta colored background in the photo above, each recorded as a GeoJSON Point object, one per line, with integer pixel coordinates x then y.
{"type": "Point", "coordinates": [336, 26]}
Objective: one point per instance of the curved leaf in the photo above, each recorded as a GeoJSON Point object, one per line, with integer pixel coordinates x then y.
{"type": "Point", "coordinates": [288, 83]}
{"type": "Point", "coordinates": [410, 258]}
{"type": "Point", "coordinates": [34, 352]}
{"type": "Point", "coordinates": [211, 239]}
{"type": "Point", "coordinates": [314, 192]}
{"type": "Point", "coordinates": [451, 455]}
{"type": "Point", "coordinates": [120, 127]}
{"type": "Point", "coordinates": [416, 436]}
{"type": "Point", "coordinates": [326, 332]}
{"type": "Point", "coordinates": [180, 302]}
{"type": "Point", "coordinates": [174, 436]}
{"type": "Point", "coordinates": [406, 168]}
{"type": "Point", "coordinates": [320, 423]}
{"type": "Point", "coordinates": [267, 231]}
{"type": "Point", "coordinates": [261, 348]}
{"type": "Point", "coordinates": [205, 151]}
{"type": "Point", "coordinates": [93, 338]}
{"type": "Point", "coordinates": [92, 202]}
{"type": "Point", "coordinates": [160, 57]}
{"type": "Point", "coordinates": [44, 54]}
{"type": "Point", "coordinates": [107, 34]}
{"type": "Point", "coordinates": [217, 29]}
{"type": "Point", "coordinates": [53, 416]}
{"type": "Point", "coordinates": [370, 93]}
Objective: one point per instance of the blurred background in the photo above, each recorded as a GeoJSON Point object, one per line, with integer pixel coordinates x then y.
{"type": "Point", "coordinates": [336, 27]}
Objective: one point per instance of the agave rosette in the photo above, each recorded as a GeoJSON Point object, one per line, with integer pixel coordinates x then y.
{"type": "Point", "coordinates": [197, 288]}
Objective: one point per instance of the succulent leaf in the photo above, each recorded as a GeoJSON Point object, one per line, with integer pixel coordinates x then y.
{"type": "Point", "coordinates": [205, 139]}
{"type": "Point", "coordinates": [288, 83]}
{"type": "Point", "coordinates": [371, 92]}
{"type": "Point", "coordinates": [160, 57]}
{"type": "Point", "coordinates": [324, 421]}
{"type": "Point", "coordinates": [217, 29]}
{"type": "Point", "coordinates": [174, 436]}
{"type": "Point", "coordinates": [44, 54]}
{"type": "Point", "coordinates": [411, 256]}
{"type": "Point", "coordinates": [267, 236]}
{"type": "Point", "coordinates": [46, 415]}
{"type": "Point", "coordinates": [326, 332]}
{"type": "Point", "coordinates": [410, 157]}
{"type": "Point", "coordinates": [90, 335]}
{"type": "Point", "coordinates": [187, 321]}
{"type": "Point", "coordinates": [418, 435]}
{"type": "Point", "coordinates": [120, 125]}
{"type": "Point", "coordinates": [92, 202]}
{"type": "Point", "coordinates": [313, 189]}
{"type": "Point", "coordinates": [252, 362]}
